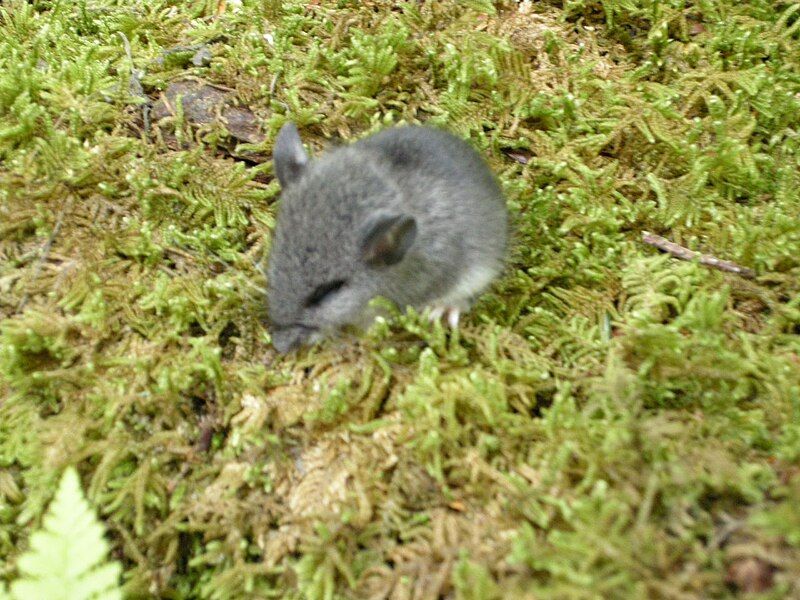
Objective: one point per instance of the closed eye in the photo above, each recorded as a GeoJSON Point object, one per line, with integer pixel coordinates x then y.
{"type": "Point", "coordinates": [323, 291]}
{"type": "Point", "coordinates": [303, 326]}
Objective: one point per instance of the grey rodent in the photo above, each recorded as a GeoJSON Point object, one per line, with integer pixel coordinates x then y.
{"type": "Point", "coordinates": [411, 213]}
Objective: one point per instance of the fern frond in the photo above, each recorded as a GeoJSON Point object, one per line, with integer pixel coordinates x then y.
{"type": "Point", "coordinates": [66, 559]}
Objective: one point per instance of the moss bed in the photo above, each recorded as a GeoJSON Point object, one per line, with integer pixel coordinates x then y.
{"type": "Point", "coordinates": [608, 422]}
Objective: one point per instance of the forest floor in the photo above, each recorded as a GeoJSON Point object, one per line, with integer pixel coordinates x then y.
{"type": "Point", "coordinates": [610, 421]}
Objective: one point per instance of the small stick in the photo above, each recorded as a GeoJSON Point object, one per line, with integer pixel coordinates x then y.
{"type": "Point", "coordinates": [44, 252]}
{"type": "Point", "coordinates": [683, 253]}
{"type": "Point", "coordinates": [135, 86]}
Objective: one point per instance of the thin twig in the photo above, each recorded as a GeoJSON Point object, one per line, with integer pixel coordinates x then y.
{"type": "Point", "coordinates": [135, 86]}
{"type": "Point", "coordinates": [683, 253]}
{"type": "Point", "coordinates": [146, 120]}
{"type": "Point", "coordinates": [44, 252]}
{"type": "Point", "coordinates": [180, 49]}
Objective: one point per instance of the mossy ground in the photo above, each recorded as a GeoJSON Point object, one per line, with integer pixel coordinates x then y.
{"type": "Point", "coordinates": [607, 423]}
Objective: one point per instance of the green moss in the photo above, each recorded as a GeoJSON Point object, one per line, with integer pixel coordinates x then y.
{"type": "Point", "coordinates": [595, 427]}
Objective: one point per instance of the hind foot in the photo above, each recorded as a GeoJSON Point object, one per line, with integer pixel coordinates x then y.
{"type": "Point", "coordinates": [453, 313]}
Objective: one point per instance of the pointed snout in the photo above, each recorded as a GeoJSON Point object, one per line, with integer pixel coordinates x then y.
{"type": "Point", "coordinates": [286, 339]}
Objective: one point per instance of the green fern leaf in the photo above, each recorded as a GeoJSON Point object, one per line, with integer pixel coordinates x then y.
{"type": "Point", "coordinates": [67, 556]}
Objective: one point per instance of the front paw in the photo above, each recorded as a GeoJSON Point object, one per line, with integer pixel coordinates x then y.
{"type": "Point", "coordinates": [451, 313]}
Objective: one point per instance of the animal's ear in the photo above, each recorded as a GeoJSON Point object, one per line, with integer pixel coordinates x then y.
{"type": "Point", "coordinates": [288, 156]}
{"type": "Point", "coordinates": [386, 239]}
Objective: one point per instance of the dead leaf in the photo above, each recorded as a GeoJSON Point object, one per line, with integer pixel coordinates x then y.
{"type": "Point", "coordinates": [697, 28]}
{"type": "Point", "coordinates": [520, 156]}
{"type": "Point", "coordinates": [750, 575]}
{"type": "Point", "coordinates": [204, 104]}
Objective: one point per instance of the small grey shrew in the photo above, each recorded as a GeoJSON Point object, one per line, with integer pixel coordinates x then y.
{"type": "Point", "coordinates": [412, 214]}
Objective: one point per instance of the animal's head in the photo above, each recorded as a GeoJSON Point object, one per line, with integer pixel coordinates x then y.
{"type": "Point", "coordinates": [338, 229]}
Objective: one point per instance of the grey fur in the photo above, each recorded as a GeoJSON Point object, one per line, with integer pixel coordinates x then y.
{"type": "Point", "coordinates": [290, 158]}
{"type": "Point", "coordinates": [421, 198]}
